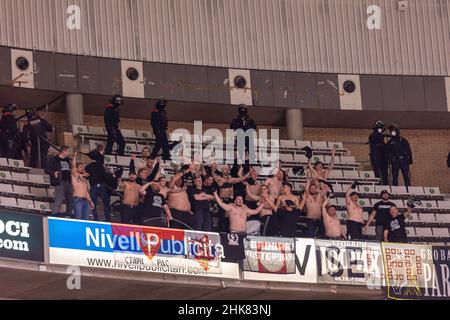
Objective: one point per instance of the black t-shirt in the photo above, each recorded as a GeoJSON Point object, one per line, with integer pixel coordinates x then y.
{"type": "Point", "coordinates": [200, 203]}
{"type": "Point", "coordinates": [382, 208]}
{"type": "Point", "coordinates": [96, 173]}
{"type": "Point", "coordinates": [154, 204]}
{"type": "Point", "coordinates": [396, 228]}
{"type": "Point", "coordinates": [188, 179]}
{"type": "Point", "coordinates": [64, 165]}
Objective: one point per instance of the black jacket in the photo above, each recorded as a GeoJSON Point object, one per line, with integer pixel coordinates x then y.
{"type": "Point", "coordinates": [53, 165]}
{"type": "Point", "coordinates": [111, 117]}
{"type": "Point", "coordinates": [243, 123]}
{"type": "Point", "coordinates": [8, 126]}
{"type": "Point", "coordinates": [448, 160]}
{"type": "Point", "coordinates": [398, 149]}
{"type": "Point", "coordinates": [33, 129]}
{"type": "Point", "coordinates": [377, 147]}
{"type": "Point", "coordinates": [159, 120]}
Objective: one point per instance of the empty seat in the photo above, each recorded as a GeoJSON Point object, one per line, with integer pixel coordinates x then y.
{"type": "Point", "coordinates": [342, 215]}
{"type": "Point", "coordinates": [25, 204]}
{"type": "Point", "coordinates": [301, 144]}
{"type": "Point", "coordinates": [287, 143]}
{"type": "Point", "coordinates": [319, 145]}
{"type": "Point", "coordinates": [424, 232]}
{"type": "Point", "coordinates": [110, 159]}
{"type": "Point", "coordinates": [348, 159]}
{"type": "Point", "coordinates": [427, 217]}
{"type": "Point", "coordinates": [399, 203]}
{"type": "Point", "coordinates": [340, 202]}
{"type": "Point", "coordinates": [286, 157]}
{"type": "Point", "coordinates": [127, 133]}
{"type": "Point", "coordinates": [335, 145]}
{"type": "Point", "coordinates": [43, 206]}
{"type": "Point", "coordinates": [443, 217]}
{"type": "Point", "coordinates": [40, 192]}
{"type": "Point", "coordinates": [19, 176]}
{"type": "Point", "coordinates": [6, 188]}
{"type": "Point", "coordinates": [366, 189]}
{"type": "Point", "coordinates": [144, 134]}
{"type": "Point", "coordinates": [5, 175]}
{"type": "Point", "coordinates": [429, 204]}
{"type": "Point", "coordinates": [77, 129]}
{"type": "Point", "coordinates": [21, 189]}
{"type": "Point", "coordinates": [364, 202]}
{"type": "Point", "coordinates": [123, 161]}
{"type": "Point", "coordinates": [130, 147]}
{"type": "Point", "coordinates": [351, 174]}
{"type": "Point", "coordinates": [36, 178]}
{"type": "Point", "coordinates": [3, 162]}
{"type": "Point", "coordinates": [337, 187]}
{"type": "Point", "coordinates": [432, 191]}
{"type": "Point", "coordinates": [98, 131]}
{"type": "Point", "coordinates": [415, 217]}
{"type": "Point", "coordinates": [401, 190]}
{"type": "Point", "coordinates": [444, 204]}
{"type": "Point", "coordinates": [316, 158]}
{"type": "Point", "coordinates": [51, 192]}
{"type": "Point", "coordinates": [16, 163]}
{"type": "Point", "coordinates": [418, 191]}
{"type": "Point", "coordinates": [94, 143]}
{"type": "Point", "coordinates": [366, 175]}
{"type": "Point", "coordinates": [8, 202]}
{"type": "Point", "coordinates": [336, 174]}
{"type": "Point", "coordinates": [410, 232]}
{"type": "Point", "coordinates": [441, 232]}
{"type": "Point", "coordinates": [301, 158]}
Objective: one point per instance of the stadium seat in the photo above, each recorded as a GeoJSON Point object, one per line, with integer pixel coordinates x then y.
{"type": "Point", "coordinates": [441, 232]}
{"type": "Point", "coordinates": [110, 159]}
{"type": "Point", "coordinates": [337, 187]}
{"type": "Point", "coordinates": [366, 189]}
{"type": "Point", "coordinates": [398, 202]}
{"type": "Point", "coordinates": [444, 204]}
{"type": "Point", "coordinates": [16, 163]}
{"type": "Point", "coordinates": [337, 145]}
{"type": "Point", "coordinates": [6, 188]}
{"type": "Point", "coordinates": [5, 175]}
{"type": "Point", "coordinates": [123, 161]}
{"type": "Point", "coordinates": [430, 205]}
{"type": "Point", "coordinates": [4, 162]}
{"type": "Point", "coordinates": [145, 135]}
{"type": "Point", "coordinates": [366, 175]}
{"type": "Point", "coordinates": [40, 192]}
{"type": "Point", "coordinates": [399, 190]}
{"type": "Point", "coordinates": [415, 217]}
{"type": "Point", "coordinates": [36, 178]}
{"type": "Point", "coordinates": [300, 158]}
{"type": "Point", "coordinates": [336, 174]}
{"type": "Point", "coordinates": [351, 174]}
{"type": "Point", "coordinates": [342, 215]}
{"type": "Point", "coordinates": [410, 232]}
{"type": "Point", "coordinates": [348, 160]}
{"type": "Point", "coordinates": [427, 217]}
{"type": "Point", "coordinates": [340, 202]}
{"type": "Point", "coordinates": [8, 202]}
{"type": "Point", "coordinates": [25, 204]}
{"type": "Point", "coordinates": [321, 145]}
{"type": "Point", "coordinates": [301, 144]}
{"type": "Point", "coordinates": [43, 206]}
{"type": "Point", "coordinates": [443, 217]}
{"type": "Point", "coordinates": [287, 144]}
{"type": "Point", "coordinates": [127, 133]}
{"type": "Point", "coordinates": [97, 131]}
{"type": "Point", "coordinates": [316, 158]}
{"type": "Point", "coordinates": [21, 189]}
{"type": "Point", "coordinates": [418, 191]}
{"type": "Point", "coordinates": [130, 147]}
{"type": "Point", "coordinates": [432, 191]}
{"type": "Point", "coordinates": [284, 157]}
{"type": "Point", "coordinates": [378, 189]}
{"type": "Point", "coordinates": [365, 216]}
{"type": "Point", "coordinates": [77, 129]}
{"type": "Point", "coordinates": [424, 232]}
{"type": "Point", "coordinates": [19, 176]}
{"type": "Point", "coordinates": [94, 143]}
{"type": "Point", "coordinates": [364, 203]}
{"type": "Point", "coordinates": [371, 231]}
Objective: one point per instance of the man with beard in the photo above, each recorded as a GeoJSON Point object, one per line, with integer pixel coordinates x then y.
{"type": "Point", "coordinates": [275, 183]}
{"type": "Point", "coordinates": [289, 209]}
{"type": "Point", "coordinates": [355, 219]}
{"type": "Point", "coordinates": [237, 213]}
{"type": "Point", "coordinates": [314, 197]}
{"type": "Point", "coordinates": [130, 202]}
{"type": "Point", "coordinates": [155, 208]}
{"type": "Point", "coordinates": [82, 203]}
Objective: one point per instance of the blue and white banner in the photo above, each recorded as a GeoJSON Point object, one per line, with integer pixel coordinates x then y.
{"type": "Point", "coordinates": [137, 248]}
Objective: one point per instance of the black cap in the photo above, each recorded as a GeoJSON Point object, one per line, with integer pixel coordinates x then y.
{"type": "Point", "coordinates": [243, 109]}
{"type": "Point", "coordinates": [117, 100]}
{"type": "Point", "coordinates": [354, 193]}
{"type": "Point", "coordinates": [394, 127]}
{"type": "Point", "coordinates": [379, 125]}
{"type": "Point", "coordinates": [31, 113]}
{"type": "Point", "coordinates": [160, 104]}
{"type": "Point", "coordinates": [308, 152]}
{"type": "Point", "coordinates": [384, 191]}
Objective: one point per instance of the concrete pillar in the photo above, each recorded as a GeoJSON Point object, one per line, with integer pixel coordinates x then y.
{"type": "Point", "coordinates": [74, 109]}
{"type": "Point", "coordinates": [294, 124]}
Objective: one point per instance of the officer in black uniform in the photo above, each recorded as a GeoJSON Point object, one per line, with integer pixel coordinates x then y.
{"type": "Point", "coordinates": [10, 144]}
{"type": "Point", "coordinates": [378, 152]}
{"type": "Point", "coordinates": [159, 123]}
{"type": "Point", "coordinates": [32, 132]}
{"type": "Point", "coordinates": [400, 156]}
{"type": "Point", "coordinates": [244, 122]}
{"type": "Point", "coordinates": [112, 119]}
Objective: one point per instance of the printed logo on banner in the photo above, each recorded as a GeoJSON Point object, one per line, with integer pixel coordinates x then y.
{"type": "Point", "coordinates": [269, 255]}
{"type": "Point", "coordinates": [233, 247]}
{"type": "Point", "coordinates": [415, 271]}
{"type": "Point", "coordinates": [349, 262]}
{"type": "Point", "coordinates": [21, 236]}
{"type": "Point", "coordinates": [205, 248]}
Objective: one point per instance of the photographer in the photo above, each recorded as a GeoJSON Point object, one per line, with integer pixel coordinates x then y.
{"type": "Point", "coordinates": [58, 168]}
{"type": "Point", "coordinates": [36, 128]}
{"type": "Point", "coordinates": [378, 152]}
{"type": "Point", "coordinates": [112, 119]}
{"type": "Point", "coordinates": [400, 156]}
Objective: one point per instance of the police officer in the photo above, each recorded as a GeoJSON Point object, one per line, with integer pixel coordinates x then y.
{"type": "Point", "coordinates": [9, 134]}
{"type": "Point", "coordinates": [34, 132]}
{"type": "Point", "coordinates": [159, 123]}
{"type": "Point", "coordinates": [378, 152]}
{"type": "Point", "coordinates": [244, 122]}
{"type": "Point", "coordinates": [112, 119]}
{"type": "Point", "coordinates": [400, 156]}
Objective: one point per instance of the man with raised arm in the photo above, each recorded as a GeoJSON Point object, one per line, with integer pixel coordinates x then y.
{"type": "Point", "coordinates": [178, 201]}
{"type": "Point", "coordinates": [355, 221]}
{"type": "Point", "coordinates": [237, 212]}
{"type": "Point", "coordinates": [155, 206]}
{"type": "Point", "coordinates": [314, 198]}
{"type": "Point", "coordinates": [82, 203]}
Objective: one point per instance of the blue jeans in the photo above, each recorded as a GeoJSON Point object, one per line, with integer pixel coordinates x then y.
{"type": "Point", "coordinates": [100, 190]}
{"type": "Point", "coordinates": [81, 208]}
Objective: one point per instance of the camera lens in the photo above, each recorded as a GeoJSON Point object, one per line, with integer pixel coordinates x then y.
{"type": "Point", "coordinates": [349, 86]}
{"type": "Point", "coordinates": [240, 82]}
{"type": "Point", "coordinates": [132, 74]}
{"type": "Point", "coordinates": [22, 63]}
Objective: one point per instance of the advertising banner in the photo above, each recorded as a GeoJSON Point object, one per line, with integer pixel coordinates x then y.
{"type": "Point", "coordinates": [304, 262]}
{"type": "Point", "coordinates": [21, 236]}
{"type": "Point", "coordinates": [349, 263]}
{"type": "Point", "coordinates": [233, 246]}
{"type": "Point", "coordinates": [415, 271]}
{"type": "Point", "coordinates": [269, 255]}
{"type": "Point", "coordinates": [137, 248]}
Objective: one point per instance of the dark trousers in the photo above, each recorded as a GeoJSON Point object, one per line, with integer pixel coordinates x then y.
{"type": "Point", "coordinates": [202, 218]}
{"type": "Point", "coordinates": [380, 169]}
{"type": "Point", "coordinates": [114, 135]}
{"type": "Point", "coordinates": [270, 226]}
{"type": "Point", "coordinates": [161, 142]}
{"type": "Point", "coordinates": [99, 190]}
{"type": "Point", "coordinates": [128, 214]}
{"type": "Point", "coordinates": [34, 158]}
{"type": "Point", "coordinates": [354, 230]}
{"type": "Point", "coordinates": [397, 165]}
{"type": "Point", "coordinates": [314, 228]}
{"type": "Point", "coordinates": [10, 148]}
{"type": "Point", "coordinates": [181, 216]}
{"type": "Point", "coordinates": [224, 222]}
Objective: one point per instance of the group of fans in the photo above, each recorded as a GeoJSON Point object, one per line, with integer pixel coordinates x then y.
{"type": "Point", "coordinates": [196, 192]}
